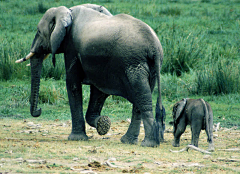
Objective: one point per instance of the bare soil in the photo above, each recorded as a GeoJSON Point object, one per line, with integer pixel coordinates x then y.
{"type": "Point", "coordinates": [30, 146]}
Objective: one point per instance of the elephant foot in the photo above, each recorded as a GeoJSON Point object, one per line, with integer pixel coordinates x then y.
{"type": "Point", "coordinates": [129, 140]}
{"type": "Point", "coordinates": [103, 125]}
{"type": "Point", "coordinates": [77, 137]}
{"type": "Point", "coordinates": [147, 142]}
{"type": "Point", "coordinates": [174, 144]}
{"type": "Point", "coordinates": [210, 148]}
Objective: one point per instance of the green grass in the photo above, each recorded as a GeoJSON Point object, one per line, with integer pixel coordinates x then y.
{"type": "Point", "coordinates": [200, 39]}
{"type": "Point", "coordinates": [190, 31]}
{"type": "Point", "coordinates": [53, 99]}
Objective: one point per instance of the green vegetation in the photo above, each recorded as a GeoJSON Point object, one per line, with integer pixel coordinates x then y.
{"type": "Point", "coordinates": [200, 39]}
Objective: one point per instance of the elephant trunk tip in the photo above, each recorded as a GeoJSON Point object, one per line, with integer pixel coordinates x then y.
{"type": "Point", "coordinates": [36, 113]}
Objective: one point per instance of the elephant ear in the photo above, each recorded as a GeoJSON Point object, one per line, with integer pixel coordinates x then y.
{"type": "Point", "coordinates": [178, 109]}
{"type": "Point", "coordinates": [63, 19]}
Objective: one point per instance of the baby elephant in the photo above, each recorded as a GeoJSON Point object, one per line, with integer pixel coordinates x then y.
{"type": "Point", "coordinates": [198, 114]}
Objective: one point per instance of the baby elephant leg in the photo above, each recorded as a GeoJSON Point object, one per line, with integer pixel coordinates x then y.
{"type": "Point", "coordinates": [196, 129]}
{"type": "Point", "coordinates": [178, 131]}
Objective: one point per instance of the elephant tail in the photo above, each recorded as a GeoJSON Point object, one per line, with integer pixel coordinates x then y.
{"type": "Point", "coordinates": [158, 65]}
{"type": "Point", "coordinates": [160, 110]}
{"type": "Point", "coordinates": [207, 120]}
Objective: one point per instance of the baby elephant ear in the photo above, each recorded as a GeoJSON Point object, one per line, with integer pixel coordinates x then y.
{"type": "Point", "coordinates": [179, 108]}
{"type": "Point", "coordinates": [63, 19]}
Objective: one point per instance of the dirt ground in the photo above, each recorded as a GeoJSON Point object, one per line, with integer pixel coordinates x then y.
{"type": "Point", "coordinates": [30, 146]}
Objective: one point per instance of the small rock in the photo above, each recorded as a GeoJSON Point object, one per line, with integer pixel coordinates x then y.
{"type": "Point", "coordinates": [75, 159]}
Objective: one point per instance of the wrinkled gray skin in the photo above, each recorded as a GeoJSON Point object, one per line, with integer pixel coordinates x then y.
{"type": "Point", "coordinates": [198, 114]}
{"type": "Point", "coordinates": [115, 55]}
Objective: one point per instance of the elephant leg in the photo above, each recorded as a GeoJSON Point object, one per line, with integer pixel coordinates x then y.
{"type": "Point", "coordinates": [74, 89]}
{"type": "Point", "coordinates": [139, 92]}
{"type": "Point", "coordinates": [131, 137]}
{"type": "Point", "coordinates": [93, 118]}
{"type": "Point", "coordinates": [210, 141]}
{"type": "Point", "coordinates": [151, 128]}
{"type": "Point", "coordinates": [196, 127]}
{"type": "Point", "coordinates": [178, 131]}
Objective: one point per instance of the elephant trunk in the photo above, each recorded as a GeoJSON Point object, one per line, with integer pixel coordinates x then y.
{"type": "Point", "coordinates": [36, 67]}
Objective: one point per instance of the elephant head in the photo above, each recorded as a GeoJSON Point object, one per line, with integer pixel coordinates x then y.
{"type": "Point", "coordinates": [52, 29]}
{"type": "Point", "coordinates": [50, 34]}
{"type": "Point", "coordinates": [178, 109]}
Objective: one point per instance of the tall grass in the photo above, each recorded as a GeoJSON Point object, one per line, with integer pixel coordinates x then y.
{"type": "Point", "coordinates": [10, 51]}
{"type": "Point", "coordinates": [182, 51]}
{"type": "Point", "coordinates": [192, 33]}
{"type": "Point", "coordinates": [221, 77]}
{"type": "Point", "coordinates": [57, 72]}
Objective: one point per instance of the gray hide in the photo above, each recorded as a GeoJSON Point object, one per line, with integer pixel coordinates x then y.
{"type": "Point", "coordinates": [198, 114]}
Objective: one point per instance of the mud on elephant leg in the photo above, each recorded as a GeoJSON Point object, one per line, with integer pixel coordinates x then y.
{"type": "Point", "coordinates": [131, 137]}
{"type": "Point", "coordinates": [101, 123]}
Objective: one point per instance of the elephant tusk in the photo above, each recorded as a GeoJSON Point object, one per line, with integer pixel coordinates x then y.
{"type": "Point", "coordinates": [46, 56]}
{"type": "Point", "coordinates": [25, 58]}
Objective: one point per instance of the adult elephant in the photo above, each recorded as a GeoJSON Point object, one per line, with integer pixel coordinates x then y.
{"type": "Point", "coordinates": [115, 55]}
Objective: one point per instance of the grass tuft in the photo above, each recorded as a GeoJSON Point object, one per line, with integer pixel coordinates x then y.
{"type": "Point", "coordinates": [220, 78]}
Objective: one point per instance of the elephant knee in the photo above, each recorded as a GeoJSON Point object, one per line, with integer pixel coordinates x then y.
{"type": "Point", "coordinates": [92, 120]}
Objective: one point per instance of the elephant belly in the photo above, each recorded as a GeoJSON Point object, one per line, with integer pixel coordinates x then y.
{"type": "Point", "coordinates": [110, 88]}
{"type": "Point", "coordinates": [106, 80]}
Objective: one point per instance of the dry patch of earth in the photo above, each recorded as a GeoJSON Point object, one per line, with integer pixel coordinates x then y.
{"type": "Point", "coordinates": [30, 146]}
